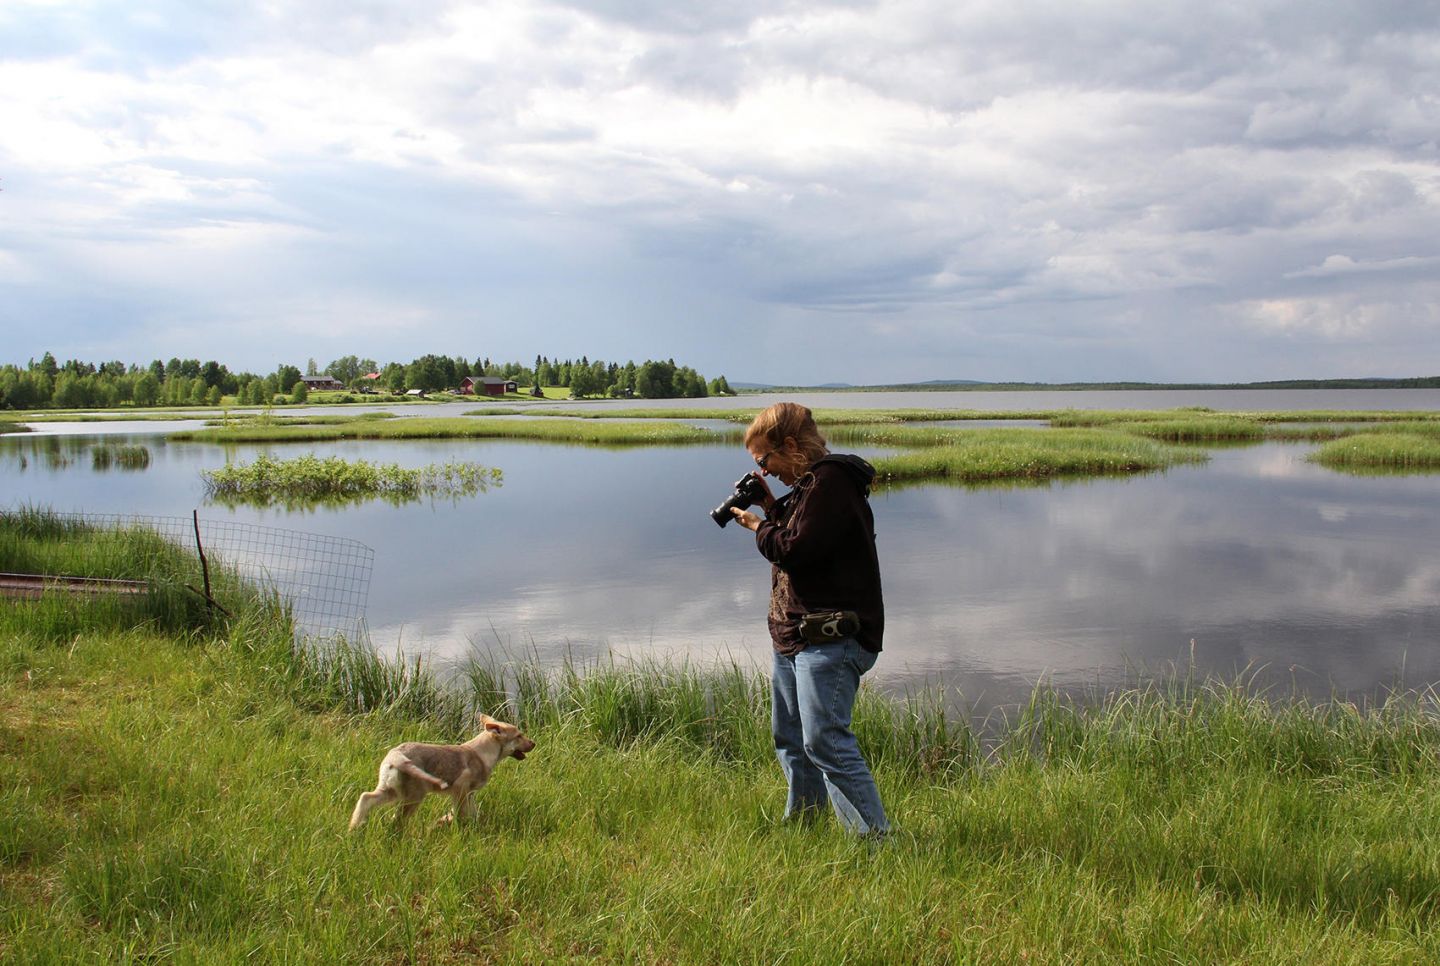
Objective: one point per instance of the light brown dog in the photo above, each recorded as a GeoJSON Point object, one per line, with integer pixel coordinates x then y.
{"type": "Point", "coordinates": [412, 770]}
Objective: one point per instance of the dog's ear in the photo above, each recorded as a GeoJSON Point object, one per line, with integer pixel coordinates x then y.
{"type": "Point", "coordinates": [492, 725]}
{"type": "Point", "coordinates": [482, 719]}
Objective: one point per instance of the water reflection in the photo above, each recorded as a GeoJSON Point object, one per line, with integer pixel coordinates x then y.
{"type": "Point", "coordinates": [1259, 557]}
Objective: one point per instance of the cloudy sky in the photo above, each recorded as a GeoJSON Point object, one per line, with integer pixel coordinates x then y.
{"type": "Point", "coordinates": [793, 191]}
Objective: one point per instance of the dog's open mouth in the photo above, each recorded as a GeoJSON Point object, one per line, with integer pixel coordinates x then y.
{"type": "Point", "coordinates": [519, 756]}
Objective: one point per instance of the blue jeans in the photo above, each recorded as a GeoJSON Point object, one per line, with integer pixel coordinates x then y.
{"type": "Point", "coordinates": [812, 695]}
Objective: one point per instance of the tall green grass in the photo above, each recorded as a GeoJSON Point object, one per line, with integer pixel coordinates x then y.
{"type": "Point", "coordinates": [349, 676]}
{"type": "Point", "coordinates": [184, 798]}
{"type": "Point", "coordinates": [1286, 833]}
{"type": "Point", "coordinates": [37, 541]}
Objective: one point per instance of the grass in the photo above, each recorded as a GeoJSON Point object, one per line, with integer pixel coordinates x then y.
{"type": "Point", "coordinates": [1345, 416]}
{"type": "Point", "coordinates": [581, 411]}
{"type": "Point", "coordinates": [823, 417]}
{"type": "Point", "coordinates": [1201, 425]}
{"type": "Point", "coordinates": [959, 455]}
{"type": "Point", "coordinates": [1381, 451]}
{"type": "Point", "coordinates": [181, 795]}
{"type": "Point", "coordinates": [992, 455]}
{"type": "Point", "coordinates": [310, 480]}
{"type": "Point", "coordinates": [1193, 425]}
{"type": "Point", "coordinates": [620, 433]}
{"type": "Point", "coordinates": [268, 418]}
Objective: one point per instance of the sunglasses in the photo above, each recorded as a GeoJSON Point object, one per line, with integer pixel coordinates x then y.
{"type": "Point", "coordinates": [764, 459]}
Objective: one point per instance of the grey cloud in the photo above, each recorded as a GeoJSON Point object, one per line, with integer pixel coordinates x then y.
{"type": "Point", "coordinates": [1122, 180]}
{"type": "Point", "coordinates": [689, 17]}
{"type": "Point", "coordinates": [702, 68]}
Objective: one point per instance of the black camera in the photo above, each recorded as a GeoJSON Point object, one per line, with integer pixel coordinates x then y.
{"type": "Point", "coordinates": [749, 490]}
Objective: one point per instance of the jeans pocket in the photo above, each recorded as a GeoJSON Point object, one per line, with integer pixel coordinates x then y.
{"type": "Point", "coordinates": [859, 658]}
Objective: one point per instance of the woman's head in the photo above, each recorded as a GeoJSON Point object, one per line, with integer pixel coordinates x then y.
{"type": "Point", "coordinates": [785, 441]}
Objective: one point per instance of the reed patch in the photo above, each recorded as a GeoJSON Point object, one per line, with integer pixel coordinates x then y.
{"type": "Point", "coordinates": [311, 480]}
{"type": "Point", "coordinates": [134, 457]}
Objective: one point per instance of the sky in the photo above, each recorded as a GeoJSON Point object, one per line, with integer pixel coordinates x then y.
{"type": "Point", "coordinates": [793, 191]}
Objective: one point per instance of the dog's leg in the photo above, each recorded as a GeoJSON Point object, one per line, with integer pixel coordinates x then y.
{"type": "Point", "coordinates": [465, 807]}
{"type": "Point", "coordinates": [403, 816]}
{"type": "Point", "coordinates": [368, 801]}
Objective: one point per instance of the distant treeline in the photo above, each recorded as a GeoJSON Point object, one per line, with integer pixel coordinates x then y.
{"type": "Point", "coordinates": [189, 382]}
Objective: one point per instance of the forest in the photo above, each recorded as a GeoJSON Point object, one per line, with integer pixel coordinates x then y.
{"type": "Point", "coordinates": [75, 384]}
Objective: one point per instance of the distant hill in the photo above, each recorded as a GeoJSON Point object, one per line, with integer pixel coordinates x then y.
{"type": "Point", "coordinates": [756, 387]}
{"type": "Point", "coordinates": [933, 385]}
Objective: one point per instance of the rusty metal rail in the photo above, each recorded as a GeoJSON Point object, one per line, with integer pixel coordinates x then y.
{"type": "Point", "coordinates": [36, 585]}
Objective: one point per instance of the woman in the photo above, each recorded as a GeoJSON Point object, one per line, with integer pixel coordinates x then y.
{"type": "Point", "coordinates": [820, 540]}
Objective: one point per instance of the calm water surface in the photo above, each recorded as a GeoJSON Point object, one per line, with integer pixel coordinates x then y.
{"type": "Point", "coordinates": [1259, 558]}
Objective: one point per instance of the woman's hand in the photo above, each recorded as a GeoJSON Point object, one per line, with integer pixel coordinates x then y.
{"type": "Point", "coordinates": [767, 499]}
{"type": "Point", "coordinates": [747, 519]}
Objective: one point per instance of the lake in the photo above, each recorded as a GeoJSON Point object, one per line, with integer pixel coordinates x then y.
{"type": "Point", "coordinates": [1256, 559]}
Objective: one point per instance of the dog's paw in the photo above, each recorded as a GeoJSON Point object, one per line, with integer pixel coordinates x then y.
{"type": "Point", "coordinates": [444, 820]}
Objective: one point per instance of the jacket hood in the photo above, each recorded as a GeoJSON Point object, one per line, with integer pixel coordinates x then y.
{"type": "Point", "coordinates": [861, 472]}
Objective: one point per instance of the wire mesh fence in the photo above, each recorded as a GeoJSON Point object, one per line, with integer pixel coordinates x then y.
{"type": "Point", "coordinates": [325, 579]}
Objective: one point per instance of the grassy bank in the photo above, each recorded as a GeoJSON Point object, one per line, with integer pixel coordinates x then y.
{"type": "Point", "coordinates": [269, 418]}
{"type": "Point", "coordinates": [179, 793]}
{"type": "Point", "coordinates": [1381, 452]}
{"type": "Point", "coordinates": [110, 416]}
{"type": "Point", "coordinates": [991, 455]}
{"type": "Point", "coordinates": [619, 433]}
{"type": "Point", "coordinates": [1199, 425]}
{"type": "Point", "coordinates": [823, 417]}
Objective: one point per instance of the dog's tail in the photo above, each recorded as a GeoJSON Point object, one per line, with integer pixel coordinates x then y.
{"type": "Point", "coordinates": [415, 771]}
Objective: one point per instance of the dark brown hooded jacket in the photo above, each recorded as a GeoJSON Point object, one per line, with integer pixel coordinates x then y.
{"type": "Point", "coordinates": [820, 539]}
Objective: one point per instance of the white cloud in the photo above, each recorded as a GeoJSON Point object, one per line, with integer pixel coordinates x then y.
{"type": "Point", "coordinates": [1344, 318]}
{"type": "Point", "coordinates": [1335, 265]}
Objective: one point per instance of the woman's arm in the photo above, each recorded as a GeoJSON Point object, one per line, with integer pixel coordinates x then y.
{"type": "Point", "coordinates": [816, 528]}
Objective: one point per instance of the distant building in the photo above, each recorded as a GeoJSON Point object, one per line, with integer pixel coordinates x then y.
{"type": "Point", "coordinates": [487, 385]}
{"type": "Point", "coordinates": [321, 382]}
